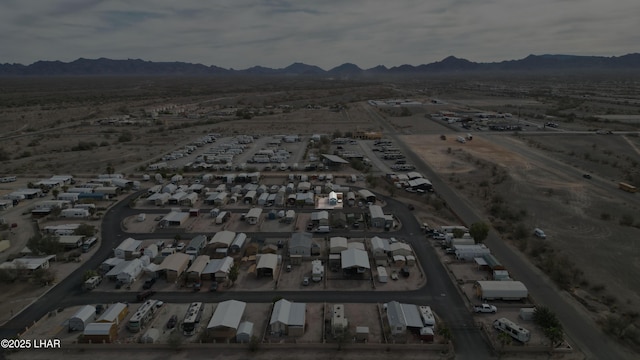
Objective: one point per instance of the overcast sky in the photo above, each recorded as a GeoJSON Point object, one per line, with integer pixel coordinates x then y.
{"type": "Point", "coordinates": [276, 33]}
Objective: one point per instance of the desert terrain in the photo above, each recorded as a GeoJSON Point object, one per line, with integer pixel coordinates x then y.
{"type": "Point", "coordinates": [519, 180]}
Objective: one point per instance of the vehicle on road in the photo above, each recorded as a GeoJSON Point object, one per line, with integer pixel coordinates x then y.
{"type": "Point", "coordinates": [149, 283]}
{"type": "Point", "coordinates": [586, 176]}
{"type": "Point", "coordinates": [539, 233]}
{"type": "Point", "coordinates": [627, 187]}
{"type": "Point", "coordinates": [485, 308]}
{"type": "Point", "coordinates": [411, 207]}
{"type": "Point", "coordinates": [144, 295]}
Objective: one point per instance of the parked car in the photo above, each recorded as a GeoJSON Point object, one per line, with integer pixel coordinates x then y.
{"type": "Point", "coordinates": [197, 287]}
{"type": "Point", "coordinates": [214, 286]}
{"type": "Point", "coordinates": [485, 308]}
{"type": "Point", "coordinates": [181, 246]}
{"type": "Point", "coordinates": [173, 321]}
{"type": "Point", "coordinates": [394, 275]}
{"type": "Point", "coordinates": [305, 281]}
{"type": "Point", "coordinates": [288, 268]}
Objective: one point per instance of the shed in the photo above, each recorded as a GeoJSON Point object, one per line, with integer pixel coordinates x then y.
{"type": "Point", "coordinates": [226, 319]}
{"type": "Point", "coordinates": [151, 251]}
{"type": "Point", "coordinates": [399, 248]}
{"type": "Point", "coordinates": [526, 314]}
{"type": "Point", "coordinates": [151, 336]}
{"type": "Point", "coordinates": [100, 332]}
{"type": "Point", "coordinates": [81, 318]}
{"type": "Point", "coordinates": [115, 313]}
{"type": "Point", "coordinates": [196, 245]}
{"type": "Point", "coordinates": [176, 218]}
{"type": "Point", "coordinates": [244, 332]}
{"type": "Point", "coordinates": [71, 241]}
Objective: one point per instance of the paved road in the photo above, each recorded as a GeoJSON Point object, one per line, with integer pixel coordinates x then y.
{"type": "Point", "coordinates": [580, 328]}
{"type": "Point", "coordinates": [439, 292]}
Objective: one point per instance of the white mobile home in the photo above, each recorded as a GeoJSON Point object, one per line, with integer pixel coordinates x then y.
{"type": "Point", "coordinates": [74, 213]}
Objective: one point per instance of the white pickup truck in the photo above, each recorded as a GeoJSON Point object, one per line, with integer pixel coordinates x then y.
{"type": "Point", "coordinates": [485, 308]}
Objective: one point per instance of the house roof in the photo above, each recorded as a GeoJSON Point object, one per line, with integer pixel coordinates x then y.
{"type": "Point", "coordinates": [354, 258]}
{"type": "Point", "coordinates": [70, 239]}
{"type": "Point", "coordinates": [224, 237]}
{"type": "Point", "coordinates": [268, 261]}
{"type": "Point", "coordinates": [98, 328]}
{"type": "Point", "coordinates": [85, 313]}
{"type": "Point", "coordinates": [404, 314]}
{"type": "Point", "coordinates": [129, 244]}
{"type": "Point", "coordinates": [228, 314]}
{"type": "Point", "coordinates": [125, 267]}
{"type": "Point", "coordinates": [199, 264]}
{"type": "Point", "coordinates": [338, 242]}
{"type": "Point", "coordinates": [245, 327]}
{"type": "Point", "coordinates": [335, 159]}
{"type": "Point", "coordinates": [254, 212]}
{"type": "Point", "coordinates": [175, 262]}
{"type": "Point", "coordinates": [288, 313]}
{"type": "Point", "coordinates": [112, 312]}
{"type": "Point", "coordinates": [379, 244]}
{"type": "Point", "coordinates": [376, 211]}
{"type": "Point", "coordinates": [27, 263]}
{"type": "Point", "coordinates": [301, 239]}
{"type": "Point", "coordinates": [176, 216]}
{"type": "Point", "coordinates": [218, 265]}
{"type": "Point", "coordinates": [197, 242]}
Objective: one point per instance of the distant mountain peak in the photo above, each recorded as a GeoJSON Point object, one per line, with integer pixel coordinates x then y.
{"type": "Point", "coordinates": [105, 66]}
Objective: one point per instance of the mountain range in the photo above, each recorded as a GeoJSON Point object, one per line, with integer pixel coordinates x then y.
{"type": "Point", "coordinates": [451, 64]}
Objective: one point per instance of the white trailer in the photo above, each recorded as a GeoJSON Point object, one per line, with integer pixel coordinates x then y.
{"type": "Point", "coordinates": [514, 330]}
{"type": "Point", "coordinates": [501, 290]}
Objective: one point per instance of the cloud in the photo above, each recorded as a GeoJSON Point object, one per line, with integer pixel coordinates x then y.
{"type": "Point", "coordinates": [275, 33]}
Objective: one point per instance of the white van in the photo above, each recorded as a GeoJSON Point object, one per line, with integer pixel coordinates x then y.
{"type": "Point", "coordinates": [539, 233]}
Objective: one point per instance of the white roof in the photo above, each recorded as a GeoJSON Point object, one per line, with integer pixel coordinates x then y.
{"type": "Point", "coordinates": [224, 237]}
{"type": "Point", "coordinates": [113, 261]}
{"type": "Point", "coordinates": [380, 244]}
{"type": "Point", "coordinates": [218, 265]}
{"type": "Point", "coordinates": [301, 239]}
{"type": "Point", "coordinates": [254, 212]}
{"type": "Point", "coordinates": [129, 267]}
{"type": "Point", "coordinates": [27, 263]}
{"type": "Point", "coordinates": [175, 262]}
{"type": "Point", "coordinates": [355, 258]}
{"type": "Point", "coordinates": [176, 216]}
{"type": "Point", "coordinates": [245, 327]}
{"type": "Point", "coordinates": [268, 261]}
{"type": "Point", "coordinates": [98, 328]}
{"type": "Point", "coordinates": [501, 285]}
{"type": "Point", "coordinates": [85, 313]}
{"type": "Point", "coordinates": [129, 244]}
{"type": "Point", "coordinates": [228, 314]}
{"type": "Point", "coordinates": [399, 246]}
{"type": "Point", "coordinates": [199, 264]}
{"type": "Point", "coordinates": [289, 313]}
{"type": "Point", "coordinates": [376, 211]}
{"type": "Point", "coordinates": [111, 314]}
{"type": "Point", "coordinates": [338, 242]}
{"type": "Point", "coordinates": [404, 314]}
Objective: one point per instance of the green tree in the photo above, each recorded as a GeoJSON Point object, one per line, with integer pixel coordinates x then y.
{"type": "Point", "coordinates": [85, 230]}
{"type": "Point", "coordinates": [48, 244]}
{"type": "Point", "coordinates": [458, 233]}
{"type": "Point", "coordinates": [445, 332]}
{"type": "Point", "coordinates": [504, 339]}
{"type": "Point", "coordinates": [55, 193]}
{"type": "Point", "coordinates": [479, 231]}
{"type": "Point", "coordinates": [555, 334]}
{"type": "Point", "coordinates": [89, 274]}
{"type": "Point", "coordinates": [233, 273]}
